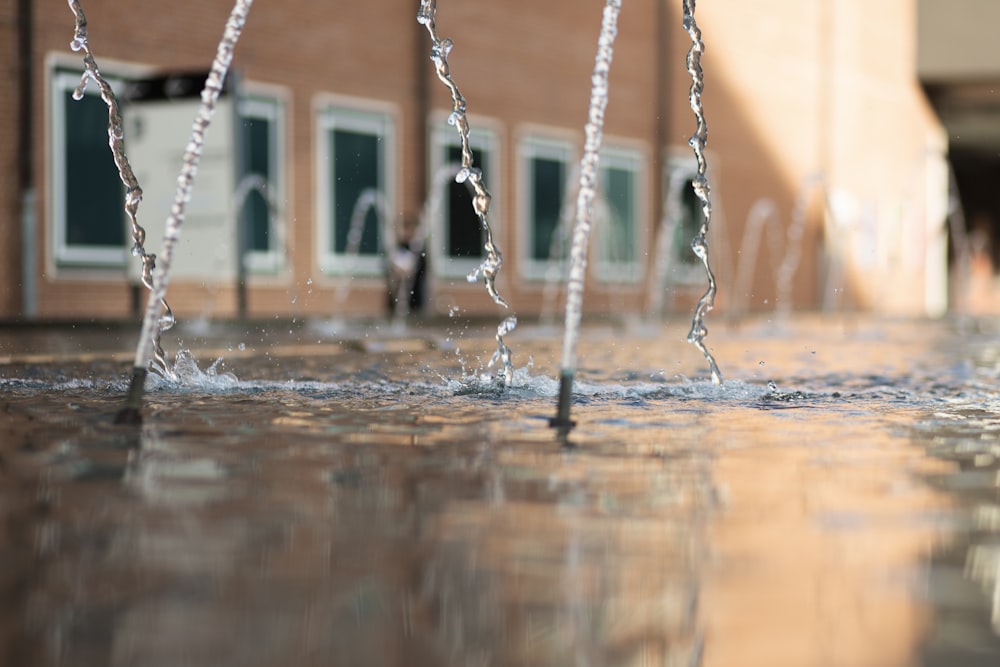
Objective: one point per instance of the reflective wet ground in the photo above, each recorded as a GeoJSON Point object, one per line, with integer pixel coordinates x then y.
{"type": "Point", "coordinates": [368, 496]}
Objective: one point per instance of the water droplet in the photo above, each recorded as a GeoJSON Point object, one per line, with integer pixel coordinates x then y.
{"type": "Point", "coordinates": [761, 363]}
{"type": "Point", "coordinates": [242, 347]}
{"type": "Point", "coordinates": [772, 386]}
{"type": "Point", "coordinates": [309, 281]}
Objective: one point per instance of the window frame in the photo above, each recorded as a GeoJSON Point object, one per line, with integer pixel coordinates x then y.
{"type": "Point", "coordinates": [378, 121]}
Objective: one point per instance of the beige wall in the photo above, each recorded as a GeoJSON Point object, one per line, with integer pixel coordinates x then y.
{"type": "Point", "coordinates": [803, 88]}
{"type": "Point", "coordinates": [958, 40]}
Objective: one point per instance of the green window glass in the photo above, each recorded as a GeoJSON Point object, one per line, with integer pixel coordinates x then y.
{"type": "Point", "coordinates": [690, 223]}
{"type": "Point", "coordinates": [94, 216]}
{"type": "Point", "coordinates": [464, 230]}
{"type": "Point", "coordinates": [619, 238]}
{"type": "Point", "coordinates": [547, 183]}
{"type": "Point", "coordinates": [257, 141]}
{"type": "Point", "coordinates": [355, 169]}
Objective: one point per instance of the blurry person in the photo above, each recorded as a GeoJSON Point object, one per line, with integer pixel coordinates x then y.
{"type": "Point", "coordinates": [407, 268]}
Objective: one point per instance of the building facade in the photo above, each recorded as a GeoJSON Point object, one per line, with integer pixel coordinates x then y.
{"type": "Point", "coordinates": [827, 163]}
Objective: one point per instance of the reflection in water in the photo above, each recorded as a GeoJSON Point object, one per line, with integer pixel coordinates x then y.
{"type": "Point", "coordinates": [349, 507]}
{"type": "Point", "coordinates": [964, 582]}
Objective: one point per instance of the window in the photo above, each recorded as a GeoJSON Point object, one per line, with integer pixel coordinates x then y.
{"type": "Point", "coordinates": [545, 172]}
{"type": "Point", "coordinates": [262, 186]}
{"type": "Point", "coordinates": [617, 215]}
{"type": "Point", "coordinates": [87, 196]}
{"type": "Point", "coordinates": [355, 189]}
{"type": "Point", "coordinates": [458, 233]}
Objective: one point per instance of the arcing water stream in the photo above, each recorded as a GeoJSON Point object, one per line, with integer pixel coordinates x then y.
{"type": "Point", "coordinates": [701, 187]}
{"type": "Point", "coordinates": [133, 192]}
{"type": "Point", "coordinates": [493, 261]}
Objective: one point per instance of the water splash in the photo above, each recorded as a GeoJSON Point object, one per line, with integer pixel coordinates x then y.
{"type": "Point", "coordinates": [133, 192]}
{"type": "Point", "coordinates": [589, 164]}
{"type": "Point", "coordinates": [187, 375]}
{"type": "Point", "coordinates": [701, 187]}
{"type": "Point", "coordinates": [493, 261]}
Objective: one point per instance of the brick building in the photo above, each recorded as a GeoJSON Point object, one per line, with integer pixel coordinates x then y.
{"type": "Point", "coordinates": [827, 160]}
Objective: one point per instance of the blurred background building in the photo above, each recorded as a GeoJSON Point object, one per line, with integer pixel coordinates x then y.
{"type": "Point", "coordinates": [847, 139]}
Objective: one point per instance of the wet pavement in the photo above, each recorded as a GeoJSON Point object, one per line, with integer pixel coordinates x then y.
{"type": "Point", "coordinates": [367, 496]}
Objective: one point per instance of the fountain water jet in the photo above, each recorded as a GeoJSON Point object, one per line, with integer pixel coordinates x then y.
{"type": "Point", "coordinates": [555, 273]}
{"type": "Point", "coordinates": [259, 184]}
{"type": "Point", "coordinates": [369, 199]}
{"type": "Point", "coordinates": [584, 201]}
{"type": "Point", "coordinates": [793, 242]}
{"type": "Point", "coordinates": [962, 242]}
{"type": "Point", "coordinates": [133, 192]}
{"type": "Point", "coordinates": [701, 187]}
{"type": "Point", "coordinates": [430, 211]}
{"type": "Point", "coordinates": [185, 183]}
{"type": "Point", "coordinates": [664, 240]}
{"type": "Point", "coordinates": [488, 270]}
{"type": "Point", "coordinates": [763, 215]}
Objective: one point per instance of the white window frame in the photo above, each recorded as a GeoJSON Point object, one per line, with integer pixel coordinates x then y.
{"type": "Point", "coordinates": [552, 148]}
{"type": "Point", "coordinates": [371, 119]}
{"type": "Point", "coordinates": [605, 270]}
{"type": "Point", "coordinates": [271, 108]}
{"type": "Point", "coordinates": [481, 140]}
{"type": "Point", "coordinates": [64, 78]}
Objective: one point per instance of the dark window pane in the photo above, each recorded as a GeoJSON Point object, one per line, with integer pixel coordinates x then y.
{"type": "Point", "coordinates": [547, 184]}
{"type": "Point", "coordinates": [691, 220]}
{"type": "Point", "coordinates": [355, 169]}
{"type": "Point", "coordinates": [465, 234]}
{"type": "Point", "coordinates": [619, 190]}
{"type": "Point", "coordinates": [257, 144]}
{"type": "Point", "coordinates": [94, 194]}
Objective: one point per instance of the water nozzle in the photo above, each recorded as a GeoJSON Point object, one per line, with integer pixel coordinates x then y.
{"type": "Point", "coordinates": [131, 414]}
{"type": "Point", "coordinates": [562, 421]}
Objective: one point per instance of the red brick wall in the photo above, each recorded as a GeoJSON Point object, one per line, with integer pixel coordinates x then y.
{"type": "Point", "coordinates": [522, 64]}
{"type": "Point", "coordinates": [10, 224]}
